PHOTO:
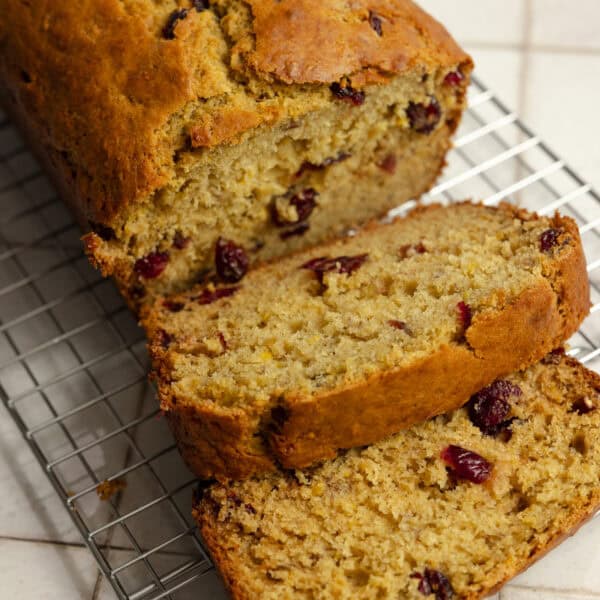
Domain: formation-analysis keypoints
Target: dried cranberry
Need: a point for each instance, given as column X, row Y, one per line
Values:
column 174, row 18
column 464, row 314
column 173, row 305
column 304, row 202
column 104, row 231
column 209, row 296
column 453, row 78
column 549, row 239
column 340, row 264
column 375, row 23
column 423, row 118
column 180, row 241
column 408, row 250
column 330, row 160
column 299, row 230
column 489, row 408
column 231, row 260
column 583, row 405
column 466, row 464
column 151, row 265
column 389, row 164
column 200, row 5
column 434, row 582
column 397, row 324
column 348, row 94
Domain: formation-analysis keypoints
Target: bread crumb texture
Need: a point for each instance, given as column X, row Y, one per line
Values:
column 369, row 523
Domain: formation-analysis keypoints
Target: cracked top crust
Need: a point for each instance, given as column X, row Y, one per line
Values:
column 111, row 101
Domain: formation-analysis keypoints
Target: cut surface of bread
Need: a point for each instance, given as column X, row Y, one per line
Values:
column 348, row 342
column 405, row 518
column 222, row 116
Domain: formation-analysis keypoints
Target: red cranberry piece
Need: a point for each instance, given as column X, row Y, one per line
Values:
column 173, row 305
column 434, row 582
column 304, row 203
column 375, row 23
column 423, row 118
column 200, row 5
column 466, row 464
column 489, row 408
column 174, row 18
column 180, row 241
column 453, row 78
column 209, row 296
column 348, row 94
column 340, row 264
column 231, row 260
column 104, row 231
column 151, row 265
column 583, row 405
column 299, row 230
column 464, row 314
column 549, row 239
column 389, row 164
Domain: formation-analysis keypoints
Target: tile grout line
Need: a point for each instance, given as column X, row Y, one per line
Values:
column 11, row 538
column 109, row 547
column 97, row 586
column 520, row 46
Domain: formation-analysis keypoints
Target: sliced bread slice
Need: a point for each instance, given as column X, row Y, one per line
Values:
column 451, row 508
column 349, row 342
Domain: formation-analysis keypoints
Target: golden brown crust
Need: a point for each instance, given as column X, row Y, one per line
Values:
column 498, row 342
column 341, row 42
column 113, row 126
column 223, row 558
column 213, row 441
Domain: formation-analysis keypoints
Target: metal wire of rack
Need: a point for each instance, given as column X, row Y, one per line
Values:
column 73, row 361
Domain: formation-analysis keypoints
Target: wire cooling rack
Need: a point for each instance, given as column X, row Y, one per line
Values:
column 73, row 363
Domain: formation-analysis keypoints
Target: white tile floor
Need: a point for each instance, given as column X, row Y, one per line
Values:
column 543, row 58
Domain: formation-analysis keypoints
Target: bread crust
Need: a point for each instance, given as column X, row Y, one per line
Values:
column 231, row 444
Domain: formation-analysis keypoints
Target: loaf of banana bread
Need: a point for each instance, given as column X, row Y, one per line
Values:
column 451, row 508
column 348, row 342
column 270, row 124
